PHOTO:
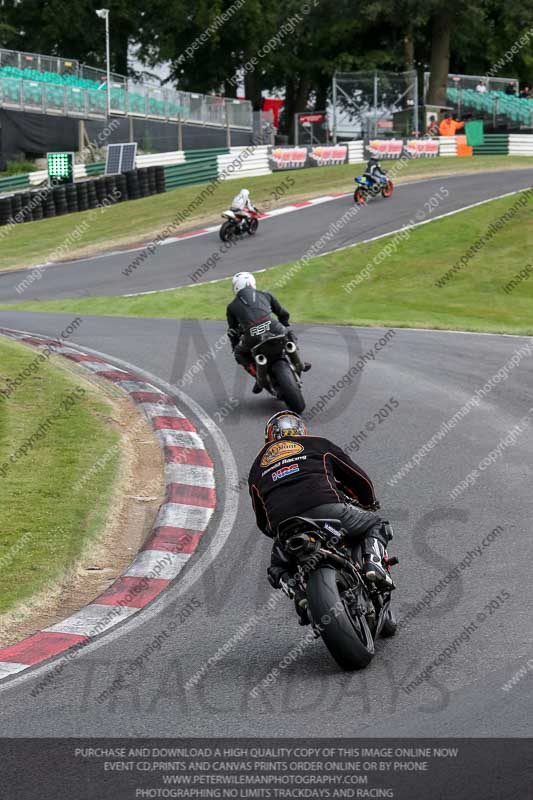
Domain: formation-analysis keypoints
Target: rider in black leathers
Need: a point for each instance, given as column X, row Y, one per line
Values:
column 249, row 316
column 374, row 171
column 295, row 474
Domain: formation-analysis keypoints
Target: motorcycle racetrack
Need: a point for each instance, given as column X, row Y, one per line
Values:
column 452, row 473
column 281, row 238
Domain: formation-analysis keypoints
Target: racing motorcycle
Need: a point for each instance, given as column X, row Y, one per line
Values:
column 237, row 224
column 278, row 367
column 366, row 187
column 345, row 609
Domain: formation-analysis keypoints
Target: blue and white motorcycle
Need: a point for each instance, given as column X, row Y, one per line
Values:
column 370, row 187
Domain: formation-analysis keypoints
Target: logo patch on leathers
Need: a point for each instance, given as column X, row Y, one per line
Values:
column 279, row 450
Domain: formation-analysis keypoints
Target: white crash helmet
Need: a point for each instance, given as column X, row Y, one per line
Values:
column 242, row 280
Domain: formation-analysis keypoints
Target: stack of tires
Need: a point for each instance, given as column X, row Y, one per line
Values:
column 144, row 183
column 36, row 203
column 49, row 208
column 66, row 199
column 27, row 208
column 6, row 210
column 71, row 196
column 59, row 194
column 160, row 179
column 122, row 188
column 132, row 181
column 82, row 192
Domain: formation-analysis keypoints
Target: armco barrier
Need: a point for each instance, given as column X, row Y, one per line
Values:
column 356, row 152
column 163, row 159
column 495, row 144
column 520, row 144
column 13, row 183
column 235, row 165
column 447, row 146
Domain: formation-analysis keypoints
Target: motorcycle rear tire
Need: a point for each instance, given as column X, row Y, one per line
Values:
column 288, row 388
column 226, row 231
column 339, row 631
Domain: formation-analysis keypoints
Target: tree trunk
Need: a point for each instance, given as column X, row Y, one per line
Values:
column 296, row 101
column 321, row 102
column 440, row 55
column 252, row 90
column 409, row 48
column 119, row 52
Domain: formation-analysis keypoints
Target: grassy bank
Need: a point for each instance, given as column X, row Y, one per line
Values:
column 138, row 220
column 51, row 434
column 399, row 289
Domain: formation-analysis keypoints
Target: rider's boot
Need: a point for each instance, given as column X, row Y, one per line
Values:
column 299, row 365
column 374, row 552
column 256, row 389
column 300, row 603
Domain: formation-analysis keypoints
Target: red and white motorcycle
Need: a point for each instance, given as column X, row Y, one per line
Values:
column 238, row 223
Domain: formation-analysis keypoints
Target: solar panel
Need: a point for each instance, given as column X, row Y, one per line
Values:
column 129, row 153
column 120, row 157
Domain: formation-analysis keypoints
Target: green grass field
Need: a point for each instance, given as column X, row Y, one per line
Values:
column 400, row 290
column 45, row 523
column 138, row 220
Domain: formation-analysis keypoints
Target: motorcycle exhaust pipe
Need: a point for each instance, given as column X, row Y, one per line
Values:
column 261, row 370
column 292, row 352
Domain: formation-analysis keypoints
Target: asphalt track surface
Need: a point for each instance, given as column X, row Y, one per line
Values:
column 280, row 239
column 431, row 375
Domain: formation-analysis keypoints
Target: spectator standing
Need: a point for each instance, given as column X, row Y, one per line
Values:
column 432, row 126
column 510, row 88
column 481, row 87
column 449, row 126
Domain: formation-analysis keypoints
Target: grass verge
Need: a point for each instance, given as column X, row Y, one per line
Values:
column 51, row 433
column 88, row 232
column 398, row 289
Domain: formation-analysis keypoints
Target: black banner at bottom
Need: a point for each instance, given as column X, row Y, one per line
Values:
column 148, row 769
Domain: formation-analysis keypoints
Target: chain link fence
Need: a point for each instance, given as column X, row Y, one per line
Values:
column 376, row 103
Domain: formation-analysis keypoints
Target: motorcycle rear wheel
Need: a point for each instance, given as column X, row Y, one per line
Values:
column 226, row 231
column 348, row 639
column 288, row 388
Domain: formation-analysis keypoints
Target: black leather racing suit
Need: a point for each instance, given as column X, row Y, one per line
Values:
column 296, row 476
column 374, row 171
column 249, row 316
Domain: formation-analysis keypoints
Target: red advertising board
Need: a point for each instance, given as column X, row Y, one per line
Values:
column 288, row 157
column 385, row 148
column 306, row 118
column 319, row 156
column 335, row 154
column 422, row 148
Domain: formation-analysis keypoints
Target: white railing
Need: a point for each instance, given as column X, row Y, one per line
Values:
column 127, row 98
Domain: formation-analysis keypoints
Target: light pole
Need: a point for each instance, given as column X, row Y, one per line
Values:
column 103, row 13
